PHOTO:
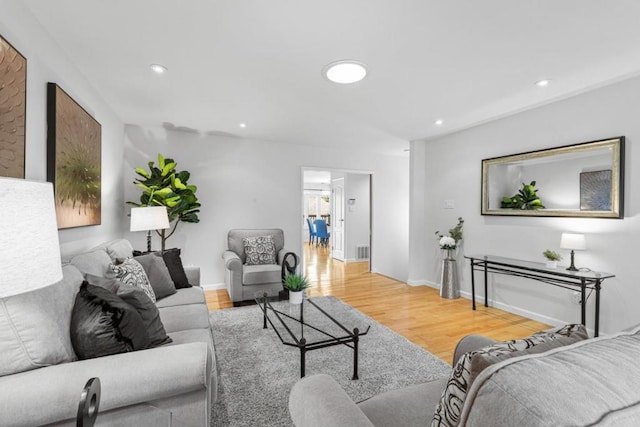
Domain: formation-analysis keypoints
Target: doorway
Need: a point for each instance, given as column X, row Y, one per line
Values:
column 343, row 200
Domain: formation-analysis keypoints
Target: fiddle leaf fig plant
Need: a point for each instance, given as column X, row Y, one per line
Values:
column 526, row 198
column 162, row 185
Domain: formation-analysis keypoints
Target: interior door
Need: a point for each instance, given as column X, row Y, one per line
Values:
column 337, row 219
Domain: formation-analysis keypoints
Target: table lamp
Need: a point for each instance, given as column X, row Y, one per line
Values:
column 575, row 242
column 149, row 218
column 29, row 232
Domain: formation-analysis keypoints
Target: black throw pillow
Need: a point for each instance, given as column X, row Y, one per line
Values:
column 176, row 270
column 149, row 313
column 103, row 324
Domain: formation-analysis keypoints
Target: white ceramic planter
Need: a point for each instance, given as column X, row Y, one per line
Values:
column 552, row 264
column 296, row 297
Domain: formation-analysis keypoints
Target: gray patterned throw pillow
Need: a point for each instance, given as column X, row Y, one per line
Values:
column 469, row 365
column 131, row 272
column 259, row 250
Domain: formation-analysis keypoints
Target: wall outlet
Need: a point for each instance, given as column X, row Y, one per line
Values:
column 449, row 204
column 575, row 297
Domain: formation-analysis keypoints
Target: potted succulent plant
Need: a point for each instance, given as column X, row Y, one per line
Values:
column 552, row 258
column 296, row 284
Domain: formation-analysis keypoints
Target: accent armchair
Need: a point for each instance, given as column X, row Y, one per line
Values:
column 244, row 281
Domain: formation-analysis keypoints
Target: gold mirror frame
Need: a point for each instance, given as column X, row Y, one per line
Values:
column 579, row 166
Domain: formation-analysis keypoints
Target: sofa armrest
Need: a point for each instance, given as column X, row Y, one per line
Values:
column 193, row 274
column 232, row 261
column 51, row 394
column 319, row 401
column 470, row 343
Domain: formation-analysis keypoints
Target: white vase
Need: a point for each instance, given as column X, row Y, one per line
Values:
column 295, row 297
column 552, row 264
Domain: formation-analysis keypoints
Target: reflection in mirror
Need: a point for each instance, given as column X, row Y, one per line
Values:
column 582, row 180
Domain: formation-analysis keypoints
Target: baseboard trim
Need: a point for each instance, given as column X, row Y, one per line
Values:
column 213, row 286
column 502, row 306
column 520, row 311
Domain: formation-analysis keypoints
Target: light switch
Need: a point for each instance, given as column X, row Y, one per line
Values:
column 449, row 204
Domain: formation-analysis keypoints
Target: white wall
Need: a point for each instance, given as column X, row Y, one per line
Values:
column 252, row 184
column 47, row 62
column 357, row 215
column 450, row 168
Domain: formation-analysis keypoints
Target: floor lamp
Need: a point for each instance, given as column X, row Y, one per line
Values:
column 149, row 218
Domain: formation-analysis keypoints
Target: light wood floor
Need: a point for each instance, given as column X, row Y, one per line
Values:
column 416, row 312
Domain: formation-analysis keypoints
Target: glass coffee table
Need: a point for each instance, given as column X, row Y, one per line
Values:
column 308, row 326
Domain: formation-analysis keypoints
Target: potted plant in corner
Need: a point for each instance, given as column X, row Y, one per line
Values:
column 296, row 284
column 164, row 186
column 552, row 258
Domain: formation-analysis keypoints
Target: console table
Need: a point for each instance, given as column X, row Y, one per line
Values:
column 574, row 280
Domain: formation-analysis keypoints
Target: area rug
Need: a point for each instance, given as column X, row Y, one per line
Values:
column 257, row 371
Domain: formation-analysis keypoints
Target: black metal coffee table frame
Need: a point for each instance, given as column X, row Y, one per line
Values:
column 350, row 339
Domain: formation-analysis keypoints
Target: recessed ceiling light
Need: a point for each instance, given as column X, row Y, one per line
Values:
column 243, row 125
column 438, row 122
column 345, row 72
column 160, row 69
column 543, row 82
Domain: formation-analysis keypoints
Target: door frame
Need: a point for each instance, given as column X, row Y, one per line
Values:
column 371, row 202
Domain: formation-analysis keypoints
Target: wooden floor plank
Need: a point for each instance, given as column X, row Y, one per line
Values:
column 416, row 312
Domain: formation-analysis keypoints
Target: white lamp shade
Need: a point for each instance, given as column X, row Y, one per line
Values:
column 29, row 246
column 149, row 218
column 573, row 241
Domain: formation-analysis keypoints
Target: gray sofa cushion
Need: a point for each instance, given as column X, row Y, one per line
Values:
column 407, row 407
column 158, row 275
column 34, row 327
column 194, row 295
column 118, row 249
column 259, row 274
column 581, row 384
column 95, row 262
column 183, row 317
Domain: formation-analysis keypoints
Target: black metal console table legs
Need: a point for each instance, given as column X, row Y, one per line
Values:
column 573, row 280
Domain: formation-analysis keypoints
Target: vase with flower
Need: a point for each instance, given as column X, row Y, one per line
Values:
column 449, row 286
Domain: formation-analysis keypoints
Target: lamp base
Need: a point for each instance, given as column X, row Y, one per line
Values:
column 149, row 242
column 572, row 267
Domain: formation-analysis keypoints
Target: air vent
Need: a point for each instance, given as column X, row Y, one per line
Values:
column 362, row 252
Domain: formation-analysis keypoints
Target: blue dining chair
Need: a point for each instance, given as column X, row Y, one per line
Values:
column 312, row 230
column 322, row 235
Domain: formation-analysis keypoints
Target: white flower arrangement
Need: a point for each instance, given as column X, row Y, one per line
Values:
column 447, row 242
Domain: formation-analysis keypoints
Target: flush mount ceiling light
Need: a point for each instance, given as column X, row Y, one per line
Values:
column 157, row 68
column 345, row 71
column 543, row 82
column 438, row 122
column 243, row 125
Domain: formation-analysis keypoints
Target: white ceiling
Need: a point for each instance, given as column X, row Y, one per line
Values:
column 259, row 62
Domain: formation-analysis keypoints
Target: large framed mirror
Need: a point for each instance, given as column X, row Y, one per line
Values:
column 580, row 180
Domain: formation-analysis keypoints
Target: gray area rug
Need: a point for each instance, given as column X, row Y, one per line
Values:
column 257, row 371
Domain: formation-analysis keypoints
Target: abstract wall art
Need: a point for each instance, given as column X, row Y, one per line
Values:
column 74, row 156
column 13, row 104
column 595, row 190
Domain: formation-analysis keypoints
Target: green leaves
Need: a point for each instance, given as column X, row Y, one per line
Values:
column 163, row 186
column 526, row 199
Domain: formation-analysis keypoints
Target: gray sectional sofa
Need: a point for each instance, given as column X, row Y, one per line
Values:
column 41, row 379
column 590, row 382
